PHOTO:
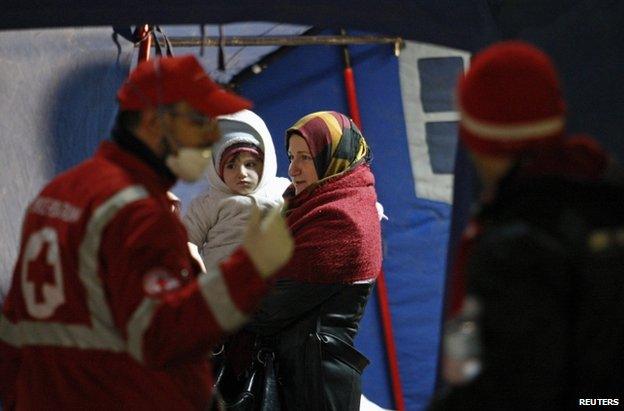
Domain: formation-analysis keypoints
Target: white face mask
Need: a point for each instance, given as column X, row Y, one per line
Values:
column 190, row 163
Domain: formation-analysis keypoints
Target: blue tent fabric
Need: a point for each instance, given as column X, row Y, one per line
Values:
column 58, row 89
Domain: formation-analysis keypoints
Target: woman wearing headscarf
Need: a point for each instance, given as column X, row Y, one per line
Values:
column 310, row 319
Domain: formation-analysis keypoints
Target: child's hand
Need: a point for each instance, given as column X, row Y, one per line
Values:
column 268, row 241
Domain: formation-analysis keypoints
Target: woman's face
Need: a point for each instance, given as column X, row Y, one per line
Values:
column 301, row 169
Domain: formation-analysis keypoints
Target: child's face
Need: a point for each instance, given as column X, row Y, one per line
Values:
column 242, row 172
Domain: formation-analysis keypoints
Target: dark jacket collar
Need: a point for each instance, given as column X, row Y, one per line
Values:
column 132, row 155
column 129, row 143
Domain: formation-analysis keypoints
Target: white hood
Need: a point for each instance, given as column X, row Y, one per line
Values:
column 243, row 126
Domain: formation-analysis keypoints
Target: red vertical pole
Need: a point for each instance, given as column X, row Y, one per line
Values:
column 354, row 110
column 146, row 43
column 382, row 289
column 391, row 351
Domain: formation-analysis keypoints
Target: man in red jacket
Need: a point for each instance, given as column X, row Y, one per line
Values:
column 107, row 308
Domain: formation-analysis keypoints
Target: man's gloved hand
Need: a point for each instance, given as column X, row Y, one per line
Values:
column 268, row 241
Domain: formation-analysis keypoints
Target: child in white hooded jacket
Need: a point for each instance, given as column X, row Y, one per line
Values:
column 242, row 173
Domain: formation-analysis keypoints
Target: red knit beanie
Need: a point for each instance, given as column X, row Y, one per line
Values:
column 510, row 101
column 235, row 149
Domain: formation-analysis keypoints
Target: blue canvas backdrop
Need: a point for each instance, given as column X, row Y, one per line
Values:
column 58, row 102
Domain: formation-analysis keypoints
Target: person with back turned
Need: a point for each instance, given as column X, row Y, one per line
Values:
column 534, row 314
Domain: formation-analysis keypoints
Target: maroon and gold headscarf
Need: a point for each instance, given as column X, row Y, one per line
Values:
column 335, row 142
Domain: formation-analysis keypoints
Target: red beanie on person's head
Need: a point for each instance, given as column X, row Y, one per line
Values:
column 510, row 101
